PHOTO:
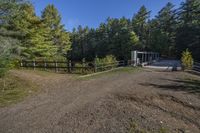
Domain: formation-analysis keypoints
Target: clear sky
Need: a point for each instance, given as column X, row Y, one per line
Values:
column 92, row 12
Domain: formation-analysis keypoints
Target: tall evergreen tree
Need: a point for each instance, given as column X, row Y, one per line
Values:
column 188, row 33
column 9, row 37
column 58, row 35
column 163, row 30
column 102, row 38
column 34, row 42
column 120, row 38
column 140, row 26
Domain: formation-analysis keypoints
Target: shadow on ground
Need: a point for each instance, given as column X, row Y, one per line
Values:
column 187, row 85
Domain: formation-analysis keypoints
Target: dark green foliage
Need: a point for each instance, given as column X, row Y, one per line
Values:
column 169, row 33
column 163, row 30
column 3, row 67
column 8, row 51
column 188, row 32
column 25, row 35
column 140, row 26
column 9, row 42
column 38, row 38
column 113, row 37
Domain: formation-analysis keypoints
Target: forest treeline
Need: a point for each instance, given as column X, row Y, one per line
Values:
column 170, row 32
column 24, row 35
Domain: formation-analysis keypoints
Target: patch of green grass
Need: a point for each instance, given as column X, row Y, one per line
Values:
column 40, row 72
column 14, row 89
column 127, row 70
column 134, row 128
column 163, row 130
column 48, row 73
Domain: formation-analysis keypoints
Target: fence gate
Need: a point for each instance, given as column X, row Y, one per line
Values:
column 144, row 58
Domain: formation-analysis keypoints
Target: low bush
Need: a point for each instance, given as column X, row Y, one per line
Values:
column 4, row 67
column 107, row 60
column 106, row 63
column 187, row 59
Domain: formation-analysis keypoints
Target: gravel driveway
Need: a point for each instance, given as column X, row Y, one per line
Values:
column 123, row 102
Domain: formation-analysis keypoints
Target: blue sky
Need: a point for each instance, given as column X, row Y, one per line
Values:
column 92, row 12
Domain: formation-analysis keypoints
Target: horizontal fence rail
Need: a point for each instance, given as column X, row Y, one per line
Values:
column 107, row 66
column 72, row 67
column 60, row 66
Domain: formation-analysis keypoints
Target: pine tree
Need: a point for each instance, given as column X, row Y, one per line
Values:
column 158, row 39
column 102, row 38
column 35, row 41
column 58, row 35
column 140, row 26
column 9, row 37
column 9, row 42
column 188, row 32
column 163, row 30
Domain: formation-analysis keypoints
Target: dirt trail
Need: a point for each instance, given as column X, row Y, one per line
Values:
column 117, row 103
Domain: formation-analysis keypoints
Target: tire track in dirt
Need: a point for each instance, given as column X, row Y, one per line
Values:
column 174, row 99
column 148, row 101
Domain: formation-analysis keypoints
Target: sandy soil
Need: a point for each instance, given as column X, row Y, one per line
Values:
column 125, row 102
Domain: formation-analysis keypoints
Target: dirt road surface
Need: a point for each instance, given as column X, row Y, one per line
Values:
column 124, row 102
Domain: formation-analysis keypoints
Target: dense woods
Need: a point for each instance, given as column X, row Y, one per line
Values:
column 170, row 32
column 25, row 35
column 28, row 36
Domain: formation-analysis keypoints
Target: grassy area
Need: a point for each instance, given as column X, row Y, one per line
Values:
column 113, row 72
column 40, row 72
column 14, row 89
column 134, row 128
column 47, row 73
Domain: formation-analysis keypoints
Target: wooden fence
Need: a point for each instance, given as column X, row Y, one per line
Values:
column 70, row 66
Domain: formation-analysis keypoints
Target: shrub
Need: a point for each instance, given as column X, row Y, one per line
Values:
column 4, row 65
column 187, row 60
column 9, row 49
column 106, row 63
column 2, row 72
column 107, row 60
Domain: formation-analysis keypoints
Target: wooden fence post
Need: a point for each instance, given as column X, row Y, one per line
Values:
column 56, row 66
column 45, row 65
column 142, row 57
column 83, row 65
column 69, row 66
column 34, row 65
column 95, row 66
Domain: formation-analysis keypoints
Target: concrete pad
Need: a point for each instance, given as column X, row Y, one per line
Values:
column 166, row 65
